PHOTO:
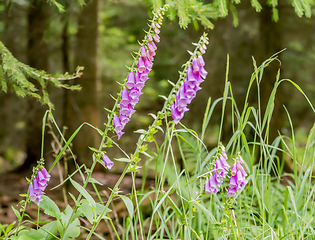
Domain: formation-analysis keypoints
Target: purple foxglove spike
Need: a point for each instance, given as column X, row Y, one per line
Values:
column 130, row 80
column 207, row 186
column 213, row 185
column 46, row 174
column 231, row 192
column 177, row 116
column 156, row 30
column 141, row 65
column 203, row 73
column 191, row 78
column 150, row 38
column 220, row 166
column 195, row 65
column 156, row 38
column 143, row 52
column 134, row 93
column 123, row 119
column 119, row 134
column 201, row 62
column 124, row 97
column 157, row 25
column 108, row 163
column 233, row 170
column 117, row 124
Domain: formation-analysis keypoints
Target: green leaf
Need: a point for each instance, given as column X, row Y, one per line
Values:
column 30, row 234
column 81, row 190
column 73, row 229
column 16, row 212
column 50, row 230
column 128, row 204
column 93, row 180
column 123, row 159
column 50, row 207
column 87, row 212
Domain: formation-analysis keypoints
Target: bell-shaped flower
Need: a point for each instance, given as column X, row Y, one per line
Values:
column 143, row 52
column 123, row 119
column 130, row 80
column 150, row 55
column 201, row 62
column 156, row 38
column 148, row 63
column 237, row 180
column 203, row 73
column 117, row 124
column 45, row 174
column 108, row 163
column 128, row 111
column 152, row 47
column 195, row 65
column 156, row 30
column 141, row 65
column 139, row 84
column 181, row 99
column 150, row 38
column 211, row 185
column 134, row 93
column 124, row 97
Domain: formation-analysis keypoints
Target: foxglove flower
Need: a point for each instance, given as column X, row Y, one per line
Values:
column 37, row 187
column 211, row 185
column 108, row 163
column 221, row 166
column 237, row 180
column 187, row 91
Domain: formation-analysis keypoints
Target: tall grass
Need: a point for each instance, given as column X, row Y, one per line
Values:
column 273, row 205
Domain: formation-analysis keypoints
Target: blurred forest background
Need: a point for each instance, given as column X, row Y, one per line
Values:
column 101, row 37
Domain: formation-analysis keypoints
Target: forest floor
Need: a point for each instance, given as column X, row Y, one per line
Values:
column 13, row 184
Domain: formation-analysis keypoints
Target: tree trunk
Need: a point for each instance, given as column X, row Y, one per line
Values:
column 37, row 55
column 83, row 106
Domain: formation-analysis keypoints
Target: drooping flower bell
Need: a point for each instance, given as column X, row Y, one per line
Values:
column 108, row 163
column 37, row 187
column 237, row 180
column 211, row 185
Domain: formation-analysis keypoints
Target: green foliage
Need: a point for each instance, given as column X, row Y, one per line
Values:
column 15, row 76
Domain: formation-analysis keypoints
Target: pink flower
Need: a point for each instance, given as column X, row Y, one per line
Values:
column 108, row 163
column 237, row 180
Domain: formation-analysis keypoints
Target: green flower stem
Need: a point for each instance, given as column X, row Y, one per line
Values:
column 112, row 195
